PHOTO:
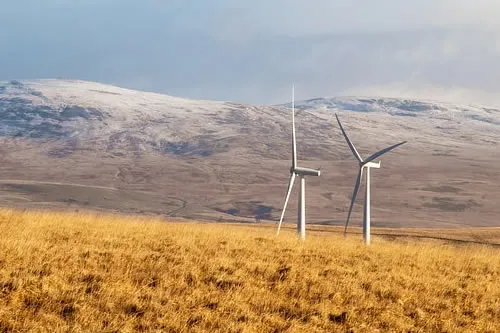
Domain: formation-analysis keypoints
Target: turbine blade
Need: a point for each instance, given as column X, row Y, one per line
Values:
column 290, row 185
column 294, row 141
column 353, row 199
column 383, row 151
column 349, row 142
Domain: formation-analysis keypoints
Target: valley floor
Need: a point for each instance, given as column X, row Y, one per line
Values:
column 107, row 273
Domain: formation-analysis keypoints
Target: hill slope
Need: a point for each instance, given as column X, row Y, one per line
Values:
column 80, row 144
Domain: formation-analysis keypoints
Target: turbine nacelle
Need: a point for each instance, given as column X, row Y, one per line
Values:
column 375, row 165
column 305, row 171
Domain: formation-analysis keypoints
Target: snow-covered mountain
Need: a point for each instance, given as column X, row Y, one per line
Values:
column 79, row 110
column 223, row 159
column 63, row 109
column 404, row 107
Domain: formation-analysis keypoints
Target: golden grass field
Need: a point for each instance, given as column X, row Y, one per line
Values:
column 76, row 272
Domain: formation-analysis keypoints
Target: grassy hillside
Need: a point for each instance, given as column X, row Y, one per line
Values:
column 102, row 273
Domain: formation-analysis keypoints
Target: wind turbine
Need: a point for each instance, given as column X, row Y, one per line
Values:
column 364, row 165
column 301, row 172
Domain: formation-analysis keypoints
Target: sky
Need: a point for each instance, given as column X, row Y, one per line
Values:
column 252, row 51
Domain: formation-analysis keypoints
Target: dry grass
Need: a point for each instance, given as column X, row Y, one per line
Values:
column 85, row 272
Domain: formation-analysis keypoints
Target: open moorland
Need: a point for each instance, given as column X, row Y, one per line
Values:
column 75, row 272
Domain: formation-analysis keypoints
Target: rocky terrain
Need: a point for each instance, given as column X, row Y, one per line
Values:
column 78, row 145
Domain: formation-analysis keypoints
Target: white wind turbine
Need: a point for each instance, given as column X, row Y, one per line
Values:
column 364, row 164
column 301, row 172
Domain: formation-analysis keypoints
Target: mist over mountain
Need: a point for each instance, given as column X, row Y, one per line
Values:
column 455, row 66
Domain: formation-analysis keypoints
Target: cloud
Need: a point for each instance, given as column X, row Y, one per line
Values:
column 305, row 17
column 282, row 17
column 253, row 50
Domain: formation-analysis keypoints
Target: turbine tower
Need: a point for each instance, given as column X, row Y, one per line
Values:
column 301, row 172
column 364, row 165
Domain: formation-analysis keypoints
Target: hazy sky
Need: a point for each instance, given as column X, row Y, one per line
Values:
column 253, row 50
